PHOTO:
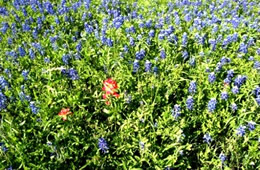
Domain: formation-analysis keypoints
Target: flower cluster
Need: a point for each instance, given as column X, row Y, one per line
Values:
column 64, row 113
column 110, row 87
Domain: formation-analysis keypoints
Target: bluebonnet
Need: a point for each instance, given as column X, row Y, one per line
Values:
column 213, row 44
column 26, row 27
column 3, row 83
column 176, row 111
column 9, row 41
column 163, row 54
column 185, row 54
column 132, row 29
column 257, row 65
column 139, row 55
column 193, row 87
column 71, row 73
column 142, row 145
column 212, row 77
column 192, row 61
column 25, row 74
column 207, row 138
column 258, row 100
column 222, row 157
column 3, row 11
column 136, row 66
column 8, row 73
column 47, row 60
column 102, row 144
column 251, row 125
column 4, row 27
column 49, row 8
column 3, row 101
column 155, row 70
column 190, row 103
column 151, row 33
column 132, row 41
column 79, row 46
column 257, row 91
column 235, row 90
column 126, row 48
column 66, row 58
column 227, row 81
column 23, row 96
column 33, row 107
column 3, row 147
column 243, row 48
column 230, row 74
column 240, row 80
column 241, row 130
column 251, row 58
column 139, row 37
column 148, row 66
column 184, row 39
column 212, row 105
column 224, row 95
column 31, row 53
column 233, row 106
column 109, row 42
column 21, row 51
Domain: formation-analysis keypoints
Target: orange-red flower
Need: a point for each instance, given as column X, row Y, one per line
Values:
column 110, row 87
column 64, row 113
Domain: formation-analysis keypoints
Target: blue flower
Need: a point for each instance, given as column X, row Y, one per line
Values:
column 66, row 58
column 47, row 60
column 185, row 54
column 241, row 130
column 176, row 111
column 3, row 11
column 142, row 145
column 257, row 91
column 136, row 66
column 3, row 101
column 31, row 53
column 155, row 70
column 132, row 41
column 251, row 125
column 257, row 65
column 33, row 107
column 140, row 54
column 72, row 74
column 148, row 66
column 212, row 77
column 258, row 100
column 235, row 90
column 25, row 74
column 163, row 54
column 190, row 102
column 233, row 107
column 3, row 83
column 21, row 51
column 193, row 87
column 222, row 157
column 230, row 74
column 224, row 95
column 239, row 80
column 102, row 144
column 207, row 138
column 212, row 104
column 151, row 33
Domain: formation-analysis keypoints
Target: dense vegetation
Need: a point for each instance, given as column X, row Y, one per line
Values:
column 115, row 84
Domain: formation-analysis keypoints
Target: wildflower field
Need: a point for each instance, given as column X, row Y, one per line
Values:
column 130, row 84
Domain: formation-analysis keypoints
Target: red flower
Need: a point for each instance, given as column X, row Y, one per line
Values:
column 64, row 113
column 110, row 87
